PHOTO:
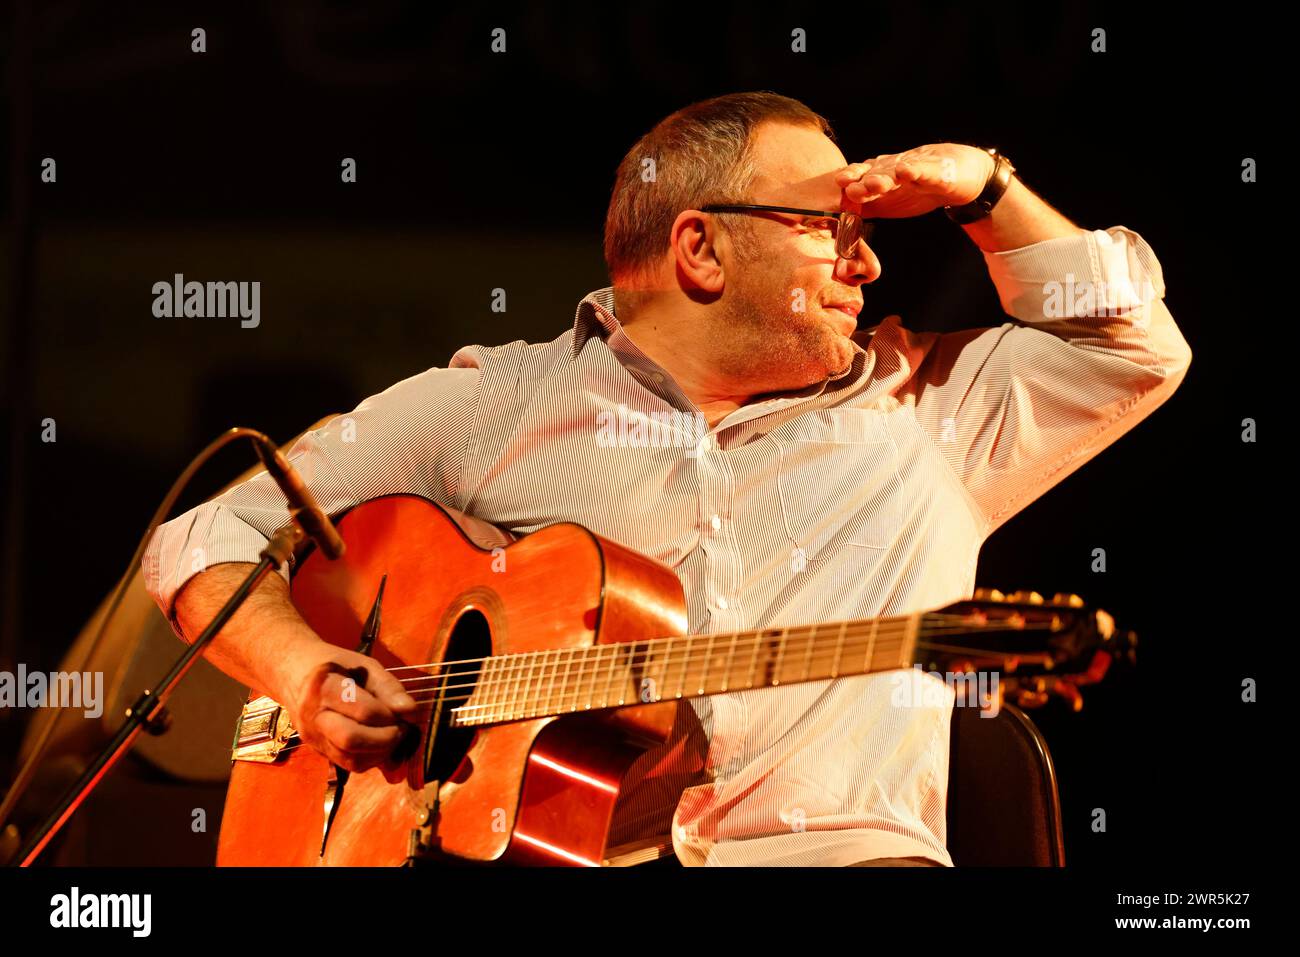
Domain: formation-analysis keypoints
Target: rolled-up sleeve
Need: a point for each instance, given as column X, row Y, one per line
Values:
column 410, row 438
column 1093, row 350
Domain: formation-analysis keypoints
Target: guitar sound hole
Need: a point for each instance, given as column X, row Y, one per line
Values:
column 446, row 746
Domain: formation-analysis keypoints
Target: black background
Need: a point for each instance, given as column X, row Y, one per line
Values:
column 478, row 171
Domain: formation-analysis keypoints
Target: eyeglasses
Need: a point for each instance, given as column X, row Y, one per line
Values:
column 848, row 227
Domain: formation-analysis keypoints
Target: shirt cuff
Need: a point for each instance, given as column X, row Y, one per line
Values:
column 1103, row 272
column 208, row 535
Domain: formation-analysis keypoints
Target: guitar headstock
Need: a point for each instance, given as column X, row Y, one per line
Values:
column 1038, row 646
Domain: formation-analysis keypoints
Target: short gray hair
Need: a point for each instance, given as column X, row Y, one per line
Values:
column 701, row 154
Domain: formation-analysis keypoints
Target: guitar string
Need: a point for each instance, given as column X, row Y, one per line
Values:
column 514, row 665
column 960, row 622
column 768, row 634
column 472, row 723
column 442, row 699
column 513, row 686
column 518, row 682
column 513, row 683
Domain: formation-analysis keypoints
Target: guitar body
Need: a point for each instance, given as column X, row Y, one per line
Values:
column 533, row 791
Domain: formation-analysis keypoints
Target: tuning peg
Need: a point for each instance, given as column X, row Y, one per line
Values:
column 1026, row 597
column 1070, row 693
column 1105, row 624
column 989, row 594
column 1027, row 698
column 1071, row 600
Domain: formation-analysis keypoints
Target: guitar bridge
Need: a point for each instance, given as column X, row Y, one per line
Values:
column 264, row 730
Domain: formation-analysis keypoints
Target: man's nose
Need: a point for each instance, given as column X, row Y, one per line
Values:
column 862, row 267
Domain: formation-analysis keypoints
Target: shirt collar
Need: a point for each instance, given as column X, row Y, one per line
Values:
column 595, row 316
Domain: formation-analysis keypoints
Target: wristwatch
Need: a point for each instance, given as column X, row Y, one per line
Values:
column 983, row 204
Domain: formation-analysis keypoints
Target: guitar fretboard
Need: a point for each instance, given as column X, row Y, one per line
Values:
column 569, row 680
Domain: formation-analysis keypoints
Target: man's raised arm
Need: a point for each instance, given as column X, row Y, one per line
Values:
column 1093, row 351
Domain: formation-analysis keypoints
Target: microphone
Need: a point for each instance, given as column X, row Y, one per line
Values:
column 302, row 504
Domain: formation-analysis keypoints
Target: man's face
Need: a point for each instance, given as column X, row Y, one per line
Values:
column 791, row 306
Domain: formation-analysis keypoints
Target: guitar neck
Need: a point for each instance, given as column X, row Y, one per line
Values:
column 627, row 674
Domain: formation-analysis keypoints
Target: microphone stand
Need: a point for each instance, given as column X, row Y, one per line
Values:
column 148, row 713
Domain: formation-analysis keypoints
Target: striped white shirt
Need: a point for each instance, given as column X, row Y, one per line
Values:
column 867, row 495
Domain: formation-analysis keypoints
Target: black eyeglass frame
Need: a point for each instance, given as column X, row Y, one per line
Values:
column 850, row 224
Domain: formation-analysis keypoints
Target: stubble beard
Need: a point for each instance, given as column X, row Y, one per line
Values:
column 775, row 347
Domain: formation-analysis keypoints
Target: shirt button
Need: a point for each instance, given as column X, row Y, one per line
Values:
column 722, row 603
column 715, row 522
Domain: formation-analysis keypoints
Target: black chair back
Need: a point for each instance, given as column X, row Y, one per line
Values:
column 1003, row 806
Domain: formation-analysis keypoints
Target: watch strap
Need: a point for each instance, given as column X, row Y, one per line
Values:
column 993, row 191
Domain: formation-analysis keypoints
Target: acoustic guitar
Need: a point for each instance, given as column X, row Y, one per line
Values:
column 545, row 666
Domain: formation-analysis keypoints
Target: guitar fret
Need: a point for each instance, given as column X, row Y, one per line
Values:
column 661, row 654
column 517, row 691
column 499, row 689
column 524, row 708
column 537, row 670
column 807, row 660
column 606, row 651
column 510, row 663
column 609, row 678
column 528, row 708
column 526, row 704
column 686, row 659
column 643, row 661
column 780, row 654
column 516, row 673
column 704, row 674
column 550, row 660
column 580, row 661
column 564, row 682
column 753, row 658
column 541, row 700
column 492, row 691
column 578, row 657
column 590, row 667
column 484, row 692
column 663, row 659
column 521, row 678
column 582, row 656
column 593, row 659
column 839, row 650
column 503, row 697
column 633, row 667
column 731, row 662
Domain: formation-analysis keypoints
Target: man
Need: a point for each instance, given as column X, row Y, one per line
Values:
column 834, row 474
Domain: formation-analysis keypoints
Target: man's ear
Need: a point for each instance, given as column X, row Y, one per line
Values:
column 695, row 237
